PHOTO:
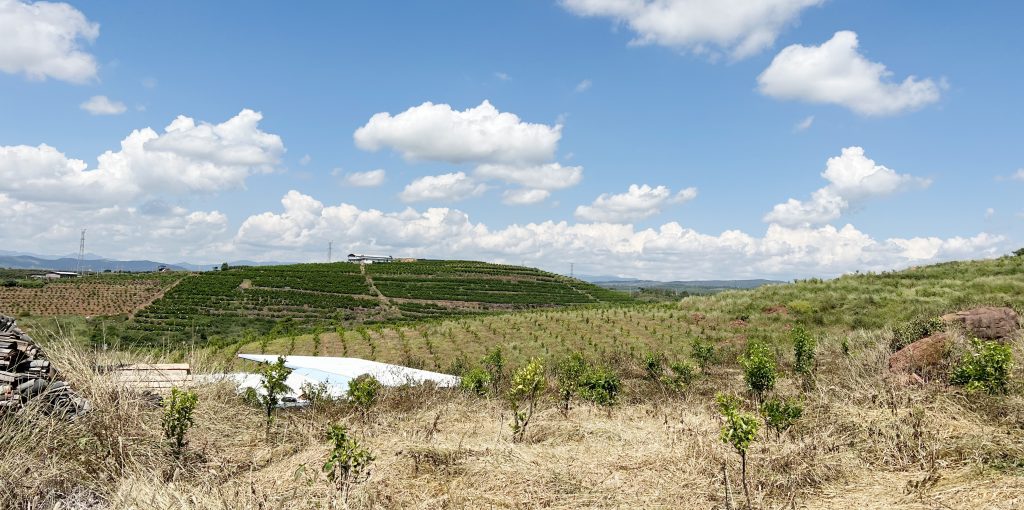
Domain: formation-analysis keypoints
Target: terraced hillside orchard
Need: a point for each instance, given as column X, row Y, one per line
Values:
column 90, row 295
column 252, row 301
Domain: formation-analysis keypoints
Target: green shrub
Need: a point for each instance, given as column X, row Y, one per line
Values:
column 526, row 385
column 654, row 365
column 803, row 350
column 273, row 385
column 739, row 431
column 986, row 367
column 348, row 463
column 475, row 381
column 703, row 353
column 601, row 386
column 780, row 414
column 177, row 418
column 569, row 373
column 682, row 374
column 910, row 332
column 318, row 394
column 759, row 369
column 494, row 363
column 363, row 391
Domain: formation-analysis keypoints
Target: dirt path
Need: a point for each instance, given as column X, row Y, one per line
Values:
column 156, row 296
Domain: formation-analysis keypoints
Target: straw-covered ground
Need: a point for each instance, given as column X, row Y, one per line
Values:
column 865, row 440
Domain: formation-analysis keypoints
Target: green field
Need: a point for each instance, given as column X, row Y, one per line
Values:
column 244, row 302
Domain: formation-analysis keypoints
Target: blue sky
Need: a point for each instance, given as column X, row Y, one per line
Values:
column 620, row 91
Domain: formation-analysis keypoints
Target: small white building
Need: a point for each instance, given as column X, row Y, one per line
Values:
column 369, row 259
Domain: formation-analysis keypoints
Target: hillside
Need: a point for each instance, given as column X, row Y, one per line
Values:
column 254, row 300
column 866, row 437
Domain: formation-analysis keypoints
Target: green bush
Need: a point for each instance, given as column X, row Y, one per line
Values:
column 363, row 392
column 759, row 369
column 177, row 418
column 780, row 414
column 494, row 363
column 739, row 431
column 476, row 381
column 273, row 385
column 348, row 462
column 910, row 332
column 703, row 353
column 569, row 373
column 986, row 367
column 803, row 350
column 526, row 385
column 601, row 386
column 682, row 374
column 654, row 365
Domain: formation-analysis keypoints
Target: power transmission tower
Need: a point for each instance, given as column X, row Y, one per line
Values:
column 572, row 270
column 330, row 246
column 81, row 252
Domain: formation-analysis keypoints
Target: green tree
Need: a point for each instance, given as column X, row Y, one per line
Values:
column 348, row 463
column 654, row 365
column 363, row 392
column 475, row 381
column 601, row 386
column 526, row 385
column 494, row 363
column 703, row 353
column 739, row 431
column 1019, row 253
column 224, row 266
column 780, row 414
column 803, row 351
column 177, row 418
column 570, row 371
column 759, row 370
column 273, row 386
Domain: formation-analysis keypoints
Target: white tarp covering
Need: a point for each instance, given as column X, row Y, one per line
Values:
column 337, row 372
column 295, row 382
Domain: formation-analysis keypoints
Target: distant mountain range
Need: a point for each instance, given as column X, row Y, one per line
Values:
column 693, row 286
column 98, row 264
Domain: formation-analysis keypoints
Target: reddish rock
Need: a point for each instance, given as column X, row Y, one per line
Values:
column 697, row 317
column 738, row 323
column 989, row 323
column 925, row 356
column 776, row 310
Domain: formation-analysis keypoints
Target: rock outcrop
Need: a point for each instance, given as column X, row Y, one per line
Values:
column 924, row 357
column 988, row 323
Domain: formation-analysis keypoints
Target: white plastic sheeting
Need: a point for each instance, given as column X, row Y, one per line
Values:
column 337, row 372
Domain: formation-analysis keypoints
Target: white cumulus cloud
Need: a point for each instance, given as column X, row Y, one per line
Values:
column 103, row 105
column 739, row 28
column 836, row 73
column 188, row 157
column 602, row 248
column 366, row 179
column 525, row 196
column 636, row 203
column 549, row 176
column 482, row 134
column 43, row 40
column 852, row 177
column 449, row 187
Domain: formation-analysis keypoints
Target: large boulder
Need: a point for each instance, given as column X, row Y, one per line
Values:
column 989, row 323
column 925, row 357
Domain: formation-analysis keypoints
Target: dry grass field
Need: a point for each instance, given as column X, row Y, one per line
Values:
column 867, row 438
